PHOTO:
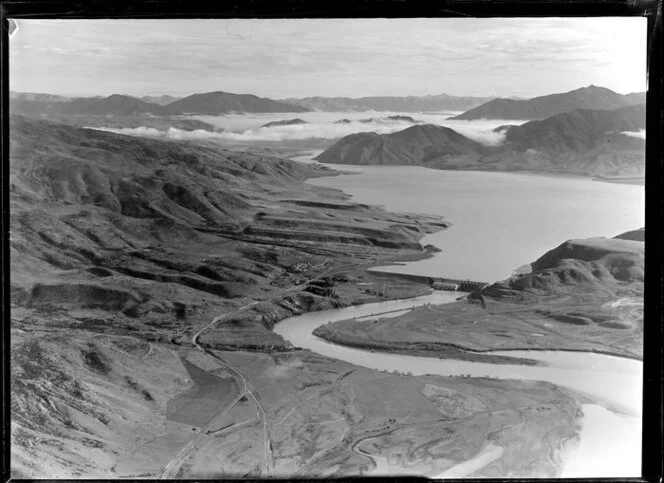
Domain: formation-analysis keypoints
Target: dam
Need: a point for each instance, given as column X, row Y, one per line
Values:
column 438, row 283
column 456, row 284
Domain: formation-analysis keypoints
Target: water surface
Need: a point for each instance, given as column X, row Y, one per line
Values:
column 500, row 221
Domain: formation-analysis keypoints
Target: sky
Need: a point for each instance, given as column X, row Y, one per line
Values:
column 282, row 58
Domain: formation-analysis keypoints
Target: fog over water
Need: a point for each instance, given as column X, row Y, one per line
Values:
column 240, row 128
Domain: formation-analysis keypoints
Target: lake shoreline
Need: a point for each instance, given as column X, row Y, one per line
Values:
column 628, row 180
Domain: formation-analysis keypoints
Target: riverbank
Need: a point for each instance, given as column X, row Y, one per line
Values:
column 637, row 180
column 439, row 350
column 465, row 330
column 588, row 378
column 584, row 296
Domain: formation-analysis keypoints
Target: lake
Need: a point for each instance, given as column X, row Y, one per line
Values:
column 500, row 221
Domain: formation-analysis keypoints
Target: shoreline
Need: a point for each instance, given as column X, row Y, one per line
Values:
column 440, row 352
column 631, row 180
column 591, row 351
column 438, row 349
column 628, row 180
column 388, row 348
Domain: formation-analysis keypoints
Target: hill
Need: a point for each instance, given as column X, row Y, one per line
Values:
column 587, row 142
column 442, row 102
column 591, row 97
column 216, row 103
column 577, row 129
column 123, row 248
column 115, row 105
column 584, row 142
column 416, row 145
column 124, row 210
column 40, row 97
column 638, row 235
column 584, row 295
column 287, row 122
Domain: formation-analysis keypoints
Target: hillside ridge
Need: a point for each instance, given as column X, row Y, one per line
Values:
column 590, row 97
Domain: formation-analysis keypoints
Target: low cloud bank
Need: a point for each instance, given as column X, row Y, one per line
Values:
column 488, row 137
column 150, row 132
column 275, row 133
column 480, row 131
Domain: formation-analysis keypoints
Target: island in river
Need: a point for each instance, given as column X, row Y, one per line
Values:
column 129, row 256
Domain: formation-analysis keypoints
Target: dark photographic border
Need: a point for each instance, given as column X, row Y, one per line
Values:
column 156, row 9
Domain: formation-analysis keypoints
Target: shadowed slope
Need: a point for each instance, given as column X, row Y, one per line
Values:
column 415, row 145
column 148, row 227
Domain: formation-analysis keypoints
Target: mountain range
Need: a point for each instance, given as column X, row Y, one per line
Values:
column 116, row 105
column 35, row 96
column 441, row 102
column 214, row 103
column 210, row 103
column 591, row 97
column 588, row 142
column 219, row 103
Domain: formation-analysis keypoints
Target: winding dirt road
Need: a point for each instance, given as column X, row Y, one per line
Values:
column 246, row 388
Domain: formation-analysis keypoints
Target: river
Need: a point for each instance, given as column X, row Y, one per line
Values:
column 509, row 221
column 612, row 422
